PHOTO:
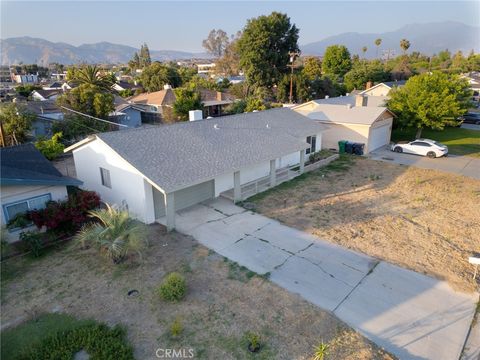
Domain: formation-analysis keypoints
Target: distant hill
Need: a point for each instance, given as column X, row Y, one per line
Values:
column 40, row 51
column 426, row 38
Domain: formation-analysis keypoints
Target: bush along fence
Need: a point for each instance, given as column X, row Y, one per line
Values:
column 56, row 223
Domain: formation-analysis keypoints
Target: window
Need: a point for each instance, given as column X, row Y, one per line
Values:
column 312, row 140
column 19, row 207
column 421, row 143
column 105, row 176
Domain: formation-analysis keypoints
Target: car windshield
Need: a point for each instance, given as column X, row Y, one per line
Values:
column 438, row 144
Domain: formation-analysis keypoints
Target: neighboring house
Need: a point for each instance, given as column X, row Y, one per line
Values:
column 382, row 89
column 126, row 113
column 157, row 171
column 214, row 102
column 206, row 69
column 25, row 79
column 473, row 79
column 47, row 113
column 56, row 85
column 44, row 95
column 28, row 181
column 369, row 125
column 354, row 100
column 124, row 85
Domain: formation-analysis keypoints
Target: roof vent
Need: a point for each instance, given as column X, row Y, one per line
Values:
column 216, row 127
column 268, row 126
column 326, row 96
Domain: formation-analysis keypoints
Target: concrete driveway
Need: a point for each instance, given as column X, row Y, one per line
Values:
column 461, row 165
column 411, row 315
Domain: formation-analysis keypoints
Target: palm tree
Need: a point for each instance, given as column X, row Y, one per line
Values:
column 364, row 50
column 114, row 233
column 404, row 45
column 378, row 42
column 91, row 75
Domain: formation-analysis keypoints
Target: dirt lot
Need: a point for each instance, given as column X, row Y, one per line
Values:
column 223, row 302
column 423, row 220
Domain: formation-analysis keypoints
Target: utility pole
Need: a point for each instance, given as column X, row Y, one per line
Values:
column 293, row 55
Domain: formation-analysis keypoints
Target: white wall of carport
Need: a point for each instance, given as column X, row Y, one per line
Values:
column 128, row 185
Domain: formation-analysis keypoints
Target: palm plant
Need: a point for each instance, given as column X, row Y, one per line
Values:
column 404, row 45
column 321, row 351
column 91, row 75
column 378, row 42
column 114, row 233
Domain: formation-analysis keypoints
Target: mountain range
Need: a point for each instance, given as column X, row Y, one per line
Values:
column 426, row 38
column 30, row 50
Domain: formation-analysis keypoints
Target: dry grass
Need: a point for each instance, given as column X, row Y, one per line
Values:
column 223, row 302
column 423, row 220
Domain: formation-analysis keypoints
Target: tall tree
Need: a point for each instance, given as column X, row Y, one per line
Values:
column 363, row 72
column 144, row 56
column 91, row 75
column 186, row 100
column 229, row 63
column 378, row 42
column 312, row 68
column 216, row 42
column 88, row 99
column 404, row 45
column 364, row 51
column 336, row 61
column 264, row 48
column 430, row 100
column 15, row 122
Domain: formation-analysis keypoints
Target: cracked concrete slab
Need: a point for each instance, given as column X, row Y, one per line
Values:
column 226, row 207
column 248, row 222
column 256, row 255
column 192, row 217
column 411, row 315
column 284, row 237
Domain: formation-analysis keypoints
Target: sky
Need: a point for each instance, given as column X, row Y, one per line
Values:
column 182, row 25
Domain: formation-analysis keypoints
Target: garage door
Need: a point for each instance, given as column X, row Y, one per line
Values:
column 194, row 194
column 379, row 137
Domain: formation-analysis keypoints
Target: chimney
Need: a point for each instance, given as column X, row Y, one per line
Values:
column 368, row 85
column 167, row 86
column 360, row 100
column 194, row 115
column 219, row 96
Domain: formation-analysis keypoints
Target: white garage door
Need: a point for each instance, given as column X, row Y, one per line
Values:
column 379, row 137
column 194, row 194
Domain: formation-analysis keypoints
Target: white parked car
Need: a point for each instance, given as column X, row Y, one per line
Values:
column 424, row 147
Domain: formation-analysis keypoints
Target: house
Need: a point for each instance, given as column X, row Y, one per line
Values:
column 161, row 101
column 157, row 171
column 207, row 69
column 56, row 85
column 125, row 85
column 126, row 113
column 28, row 181
column 25, row 79
column 383, row 88
column 47, row 112
column 44, row 95
column 369, row 125
column 352, row 100
column 473, row 79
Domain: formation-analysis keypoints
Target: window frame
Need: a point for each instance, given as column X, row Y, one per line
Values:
column 27, row 200
column 312, row 141
column 104, row 178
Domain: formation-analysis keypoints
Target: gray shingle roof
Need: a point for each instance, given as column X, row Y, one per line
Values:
column 25, row 165
column 350, row 99
column 183, row 154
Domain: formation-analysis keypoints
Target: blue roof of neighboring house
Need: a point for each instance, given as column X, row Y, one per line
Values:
column 25, row 165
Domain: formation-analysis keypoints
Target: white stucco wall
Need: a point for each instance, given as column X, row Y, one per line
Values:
column 17, row 193
column 128, row 185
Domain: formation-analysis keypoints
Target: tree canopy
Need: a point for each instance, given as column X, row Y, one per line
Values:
column 186, row 100
column 264, row 48
column 16, row 123
column 430, row 100
column 90, row 75
column 364, row 71
column 88, row 99
column 216, row 42
column 336, row 61
column 155, row 76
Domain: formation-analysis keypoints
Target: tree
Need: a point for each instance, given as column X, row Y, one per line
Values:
column 431, row 101
column 51, row 148
column 264, row 48
column 88, row 99
column 155, row 76
column 26, row 90
column 216, row 42
column 364, row 50
column 336, row 61
column 90, row 75
column 229, row 63
column 186, row 100
column 312, row 68
column 362, row 73
column 115, row 234
column 135, row 62
column 16, row 122
column 404, row 45
column 255, row 103
column 144, row 56
column 237, row 107
column 378, row 42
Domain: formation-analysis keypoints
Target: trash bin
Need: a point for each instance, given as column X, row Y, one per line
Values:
column 341, row 146
column 349, row 147
column 358, row 148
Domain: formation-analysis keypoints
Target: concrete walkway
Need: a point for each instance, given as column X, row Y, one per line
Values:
column 411, row 315
column 461, row 165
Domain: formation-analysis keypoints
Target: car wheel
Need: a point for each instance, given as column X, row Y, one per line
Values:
column 398, row 149
column 431, row 155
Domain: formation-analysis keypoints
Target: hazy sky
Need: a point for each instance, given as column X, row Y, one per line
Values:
column 181, row 25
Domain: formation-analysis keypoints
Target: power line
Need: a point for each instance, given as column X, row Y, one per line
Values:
column 93, row 117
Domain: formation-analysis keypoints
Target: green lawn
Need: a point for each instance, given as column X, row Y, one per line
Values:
column 15, row 340
column 459, row 141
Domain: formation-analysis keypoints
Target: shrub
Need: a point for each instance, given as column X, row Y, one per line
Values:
column 66, row 217
column 321, row 350
column 173, row 287
column 51, row 148
column 20, row 221
column 176, row 328
column 99, row 341
column 33, row 241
